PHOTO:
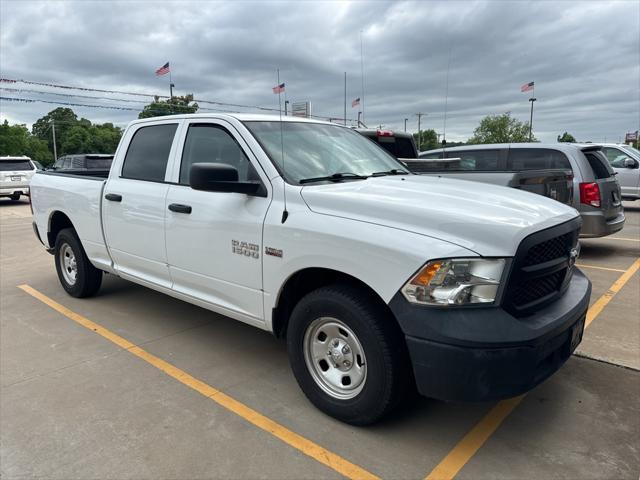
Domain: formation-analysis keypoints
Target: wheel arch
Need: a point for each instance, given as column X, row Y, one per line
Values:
column 306, row 280
column 57, row 221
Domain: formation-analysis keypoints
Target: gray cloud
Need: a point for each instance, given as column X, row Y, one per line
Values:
column 584, row 58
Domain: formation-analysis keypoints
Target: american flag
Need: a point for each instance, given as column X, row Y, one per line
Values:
column 526, row 87
column 355, row 102
column 278, row 88
column 163, row 70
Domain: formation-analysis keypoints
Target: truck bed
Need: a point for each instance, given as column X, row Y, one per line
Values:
column 77, row 193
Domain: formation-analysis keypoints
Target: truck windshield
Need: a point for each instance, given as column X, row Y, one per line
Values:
column 314, row 150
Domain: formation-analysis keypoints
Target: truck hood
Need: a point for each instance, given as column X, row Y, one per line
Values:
column 487, row 219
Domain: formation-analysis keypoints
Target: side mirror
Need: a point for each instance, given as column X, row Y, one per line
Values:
column 220, row 177
column 629, row 163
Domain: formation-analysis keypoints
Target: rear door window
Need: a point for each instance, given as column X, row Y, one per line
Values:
column 148, row 153
column 522, row 159
column 601, row 168
column 476, row 160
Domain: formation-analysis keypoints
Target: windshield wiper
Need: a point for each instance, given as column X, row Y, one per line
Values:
column 336, row 177
column 394, row 171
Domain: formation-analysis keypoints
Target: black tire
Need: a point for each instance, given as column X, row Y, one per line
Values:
column 15, row 197
column 388, row 370
column 87, row 277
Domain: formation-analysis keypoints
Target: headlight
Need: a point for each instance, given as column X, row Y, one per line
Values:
column 458, row 281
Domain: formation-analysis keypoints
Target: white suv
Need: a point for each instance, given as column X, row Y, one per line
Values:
column 15, row 175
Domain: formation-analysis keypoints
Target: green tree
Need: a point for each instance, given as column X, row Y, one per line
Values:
column 172, row 106
column 75, row 135
column 63, row 118
column 501, row 129
column 16, row 140
column 566, row 137
column 428, row 140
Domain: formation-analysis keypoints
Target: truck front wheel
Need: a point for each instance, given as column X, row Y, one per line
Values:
column 347, row 354
column 77, row 275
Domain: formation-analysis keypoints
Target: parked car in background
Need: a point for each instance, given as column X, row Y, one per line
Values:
column 37, row 164
column 398, row 144
column 596, row 190
column 89, row 161
column 625, row 161
column 15, row 175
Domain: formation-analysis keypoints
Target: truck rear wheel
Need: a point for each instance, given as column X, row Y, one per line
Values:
column 77, row 275
column 15, row 197
column 347, row 355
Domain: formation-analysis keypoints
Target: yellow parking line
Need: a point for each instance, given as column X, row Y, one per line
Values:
column 309, row 448
column 602, row 302
column 582, row 265
column 457, row 458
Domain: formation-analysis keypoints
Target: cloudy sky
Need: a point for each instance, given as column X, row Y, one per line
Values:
column 583, row 57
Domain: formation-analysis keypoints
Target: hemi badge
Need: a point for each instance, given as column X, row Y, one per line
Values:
column 274, row 252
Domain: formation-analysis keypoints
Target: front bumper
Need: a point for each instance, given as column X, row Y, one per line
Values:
column 479, row 354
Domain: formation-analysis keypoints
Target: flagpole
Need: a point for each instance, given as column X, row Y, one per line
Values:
column 170, row 84
column 345, row 98
column 532, row 99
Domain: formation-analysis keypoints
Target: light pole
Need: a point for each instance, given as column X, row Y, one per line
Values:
column 532, row 99
column 359, row 122
column 405, row 124
column 286, row 102
column 419, row 115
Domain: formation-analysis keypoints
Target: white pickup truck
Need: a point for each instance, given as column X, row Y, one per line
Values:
column 381, row 281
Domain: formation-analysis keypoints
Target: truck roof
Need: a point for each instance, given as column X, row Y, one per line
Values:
column 243, row 117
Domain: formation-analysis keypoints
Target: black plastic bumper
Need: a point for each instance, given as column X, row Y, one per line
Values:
column 478, row 354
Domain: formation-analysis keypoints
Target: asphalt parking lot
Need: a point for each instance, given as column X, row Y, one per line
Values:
column 135, row 384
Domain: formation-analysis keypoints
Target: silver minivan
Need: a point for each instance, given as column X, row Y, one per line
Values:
column 625, row 161
column 596, row 190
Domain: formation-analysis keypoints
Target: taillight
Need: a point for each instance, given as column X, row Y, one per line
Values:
column 590, row 194
column 385, row 133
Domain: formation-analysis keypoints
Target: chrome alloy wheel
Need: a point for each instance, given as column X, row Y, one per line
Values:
column 335, row 358
column 68, row 263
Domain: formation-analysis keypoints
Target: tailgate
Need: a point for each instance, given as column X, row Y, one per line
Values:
column 605, row 177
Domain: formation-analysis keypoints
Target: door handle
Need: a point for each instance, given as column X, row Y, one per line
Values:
column 113, row 197
column 179, row 208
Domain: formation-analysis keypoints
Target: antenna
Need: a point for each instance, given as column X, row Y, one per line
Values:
column 285, row 213
column 446, row 102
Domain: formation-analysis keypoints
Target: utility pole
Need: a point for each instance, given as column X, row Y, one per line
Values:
column 53, row 131
column 532, row 99
column 405, row 124
column 420, row 115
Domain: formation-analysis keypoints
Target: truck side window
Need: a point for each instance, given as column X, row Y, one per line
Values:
column 476, row 160
column 148, row 153
column 207, row 143
column 537, row 159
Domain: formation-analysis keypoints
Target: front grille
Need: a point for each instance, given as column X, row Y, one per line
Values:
column 549, row 250
column 536, row 288
column 541, row 269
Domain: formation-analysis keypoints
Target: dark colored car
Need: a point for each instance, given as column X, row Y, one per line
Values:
column 398, row 144
column 89, row 161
